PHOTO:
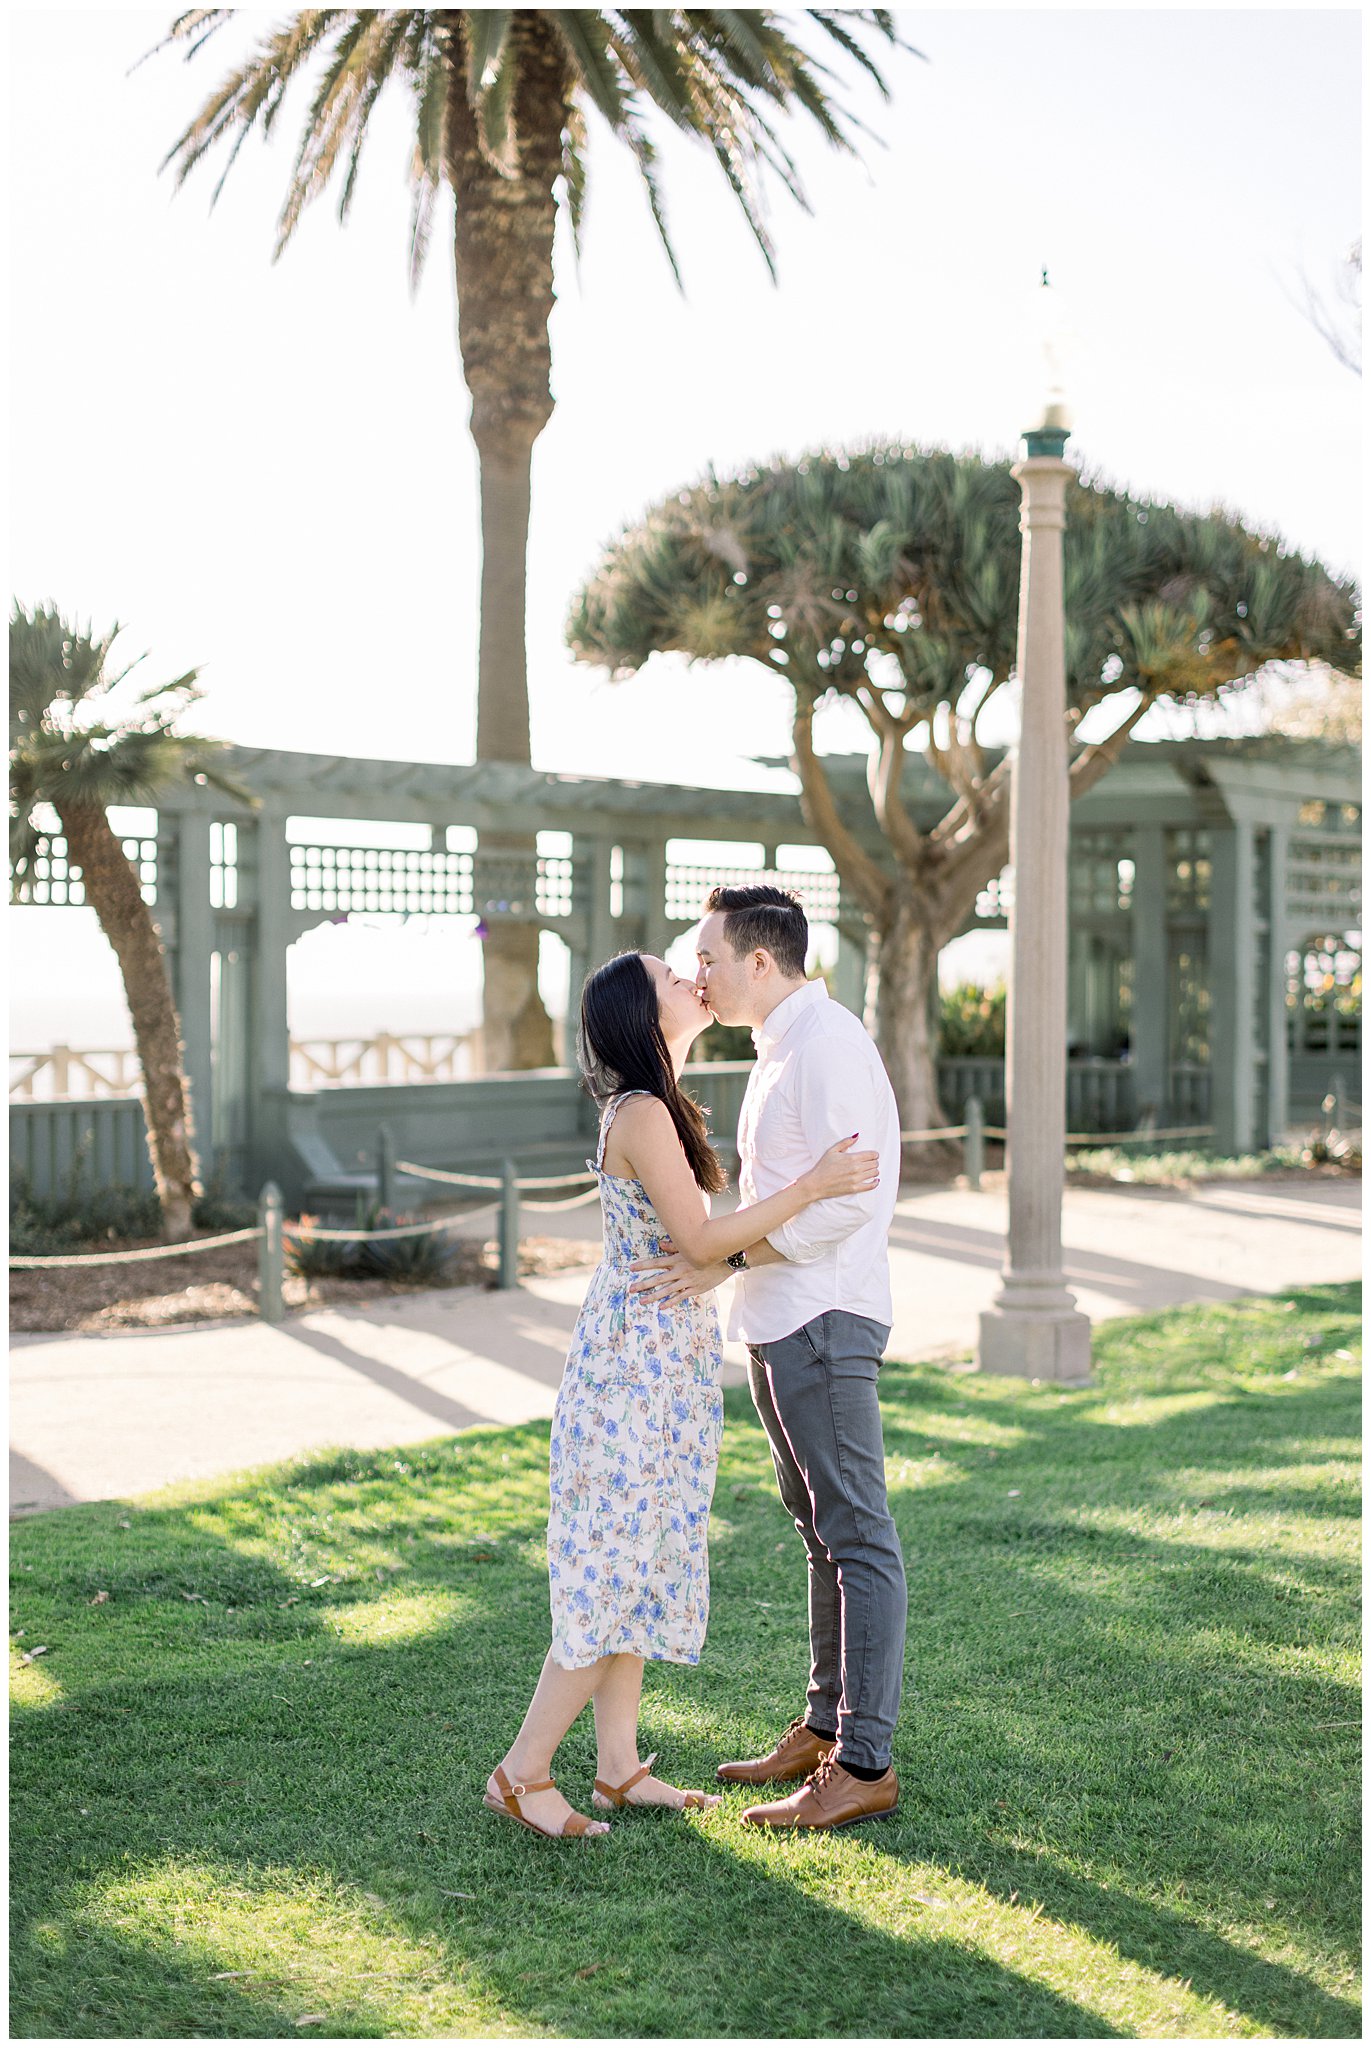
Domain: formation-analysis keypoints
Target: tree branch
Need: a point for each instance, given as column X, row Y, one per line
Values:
column 856, row 869
column 1097, row 760
column 883, row 778
column 975, row 859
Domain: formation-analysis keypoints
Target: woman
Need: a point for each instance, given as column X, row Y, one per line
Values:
column 635, row 1434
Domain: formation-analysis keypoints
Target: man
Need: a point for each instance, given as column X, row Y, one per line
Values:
column 812, row 1303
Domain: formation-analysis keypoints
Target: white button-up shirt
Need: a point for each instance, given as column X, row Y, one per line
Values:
column 818, row 1078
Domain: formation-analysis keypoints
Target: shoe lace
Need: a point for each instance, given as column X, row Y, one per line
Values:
column 822, row 1772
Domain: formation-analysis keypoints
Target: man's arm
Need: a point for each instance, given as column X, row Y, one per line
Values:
column 671, row 1277
column 833, row 1098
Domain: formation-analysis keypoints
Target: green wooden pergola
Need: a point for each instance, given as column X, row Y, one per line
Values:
column 1215, row 910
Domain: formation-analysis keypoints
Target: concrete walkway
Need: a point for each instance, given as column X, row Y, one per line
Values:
column 103, row 1417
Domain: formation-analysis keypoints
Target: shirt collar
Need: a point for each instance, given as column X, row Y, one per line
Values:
column 766, row 1035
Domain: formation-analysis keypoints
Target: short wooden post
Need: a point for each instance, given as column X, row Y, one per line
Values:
column 973, row 1144
column 509, row 1225
column 271, row 1255
column 385, row 1168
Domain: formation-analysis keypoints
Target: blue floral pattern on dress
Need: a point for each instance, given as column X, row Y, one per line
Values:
column 635, row 1450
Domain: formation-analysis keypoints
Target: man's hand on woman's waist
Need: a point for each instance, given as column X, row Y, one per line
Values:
column 670, row 1276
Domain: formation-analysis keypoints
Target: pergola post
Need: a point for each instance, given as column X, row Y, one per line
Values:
column 1232, row 987
column 1278, row 1030
column 1148, row 1012
column 1034, row 1328
column 268, row 1053
column 183, row 858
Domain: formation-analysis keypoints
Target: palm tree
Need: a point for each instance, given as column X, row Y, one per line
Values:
column 500, row 101
column 67, row 753
column 889, row 575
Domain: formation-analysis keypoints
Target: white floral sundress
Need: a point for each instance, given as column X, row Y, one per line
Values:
column 635, row 1450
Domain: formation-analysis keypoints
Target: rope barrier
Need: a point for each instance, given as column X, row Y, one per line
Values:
column 160, row 1251
column 312, row 1233
column 573, row 1202
column 485, row 1180
column 1100, row 1138
column 1105, row 1139
column 456, row 1180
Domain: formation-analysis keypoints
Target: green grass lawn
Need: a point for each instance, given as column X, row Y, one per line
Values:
column 247, row 1771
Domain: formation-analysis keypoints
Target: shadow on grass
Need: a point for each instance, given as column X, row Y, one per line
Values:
column 1081, row 1731
column 368, row 1766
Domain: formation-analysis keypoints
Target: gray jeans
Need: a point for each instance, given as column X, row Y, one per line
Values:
column 815, row 1392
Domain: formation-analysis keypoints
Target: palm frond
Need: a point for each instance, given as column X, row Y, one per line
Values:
column 333, row 126
column 584, row 34
column 646, row 44
column 430, row 148
column 647, row 167
column 724, row 76
column 574, row 174
column 65, row 746
column 491, row 93
column 487, row 30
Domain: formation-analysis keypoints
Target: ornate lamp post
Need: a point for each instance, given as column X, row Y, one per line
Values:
column 1034, row 1328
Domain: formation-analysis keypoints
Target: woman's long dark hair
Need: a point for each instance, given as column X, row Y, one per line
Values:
column 621, row 1046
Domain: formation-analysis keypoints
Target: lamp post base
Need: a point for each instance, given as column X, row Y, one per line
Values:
column 1036, row 1341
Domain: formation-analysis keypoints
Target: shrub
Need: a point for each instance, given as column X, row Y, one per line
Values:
column 1157, row 1167
column 971, row 1022
column 427, row 1260
column 80, row 1218
column 724, row 1042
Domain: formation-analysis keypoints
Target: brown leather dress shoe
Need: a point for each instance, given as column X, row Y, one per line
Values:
column 798, row 1752
column 831, row 1798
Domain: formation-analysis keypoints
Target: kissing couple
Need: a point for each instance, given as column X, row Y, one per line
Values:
column 639, row 1415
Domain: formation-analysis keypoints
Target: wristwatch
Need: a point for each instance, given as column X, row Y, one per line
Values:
column 738, row 1261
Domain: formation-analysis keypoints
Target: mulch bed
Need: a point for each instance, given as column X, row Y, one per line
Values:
column 209, row 1286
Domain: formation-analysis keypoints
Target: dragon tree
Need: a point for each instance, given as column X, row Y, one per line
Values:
column 889, row 575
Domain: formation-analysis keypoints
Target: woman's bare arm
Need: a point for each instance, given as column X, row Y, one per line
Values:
column 648, row 1140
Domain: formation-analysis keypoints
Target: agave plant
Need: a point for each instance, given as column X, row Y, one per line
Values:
column 889, row 575
column 68, row 751
column 500, row 101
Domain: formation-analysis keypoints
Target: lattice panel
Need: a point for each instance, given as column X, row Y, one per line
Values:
column 54, row 881
column 687, row 888
column 1189, row 869
column 554, row 886
column 1323, row 880
column 412, row 883
column 223, row 866
column 380, row 878
column 1100, row 875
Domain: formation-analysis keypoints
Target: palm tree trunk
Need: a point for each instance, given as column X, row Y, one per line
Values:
column 516, row 1032
column 503, row 236
column 113, row 892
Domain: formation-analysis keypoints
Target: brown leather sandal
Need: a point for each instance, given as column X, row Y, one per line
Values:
column 508, row 1804
column 617, row 1795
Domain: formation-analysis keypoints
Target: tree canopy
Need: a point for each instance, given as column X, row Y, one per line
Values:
column 67, row 743
column 889, row 575
column 721, row 75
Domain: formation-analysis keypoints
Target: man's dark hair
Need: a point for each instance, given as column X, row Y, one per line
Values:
column 756, row 914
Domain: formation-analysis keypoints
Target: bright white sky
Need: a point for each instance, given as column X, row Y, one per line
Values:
column 264, row 470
